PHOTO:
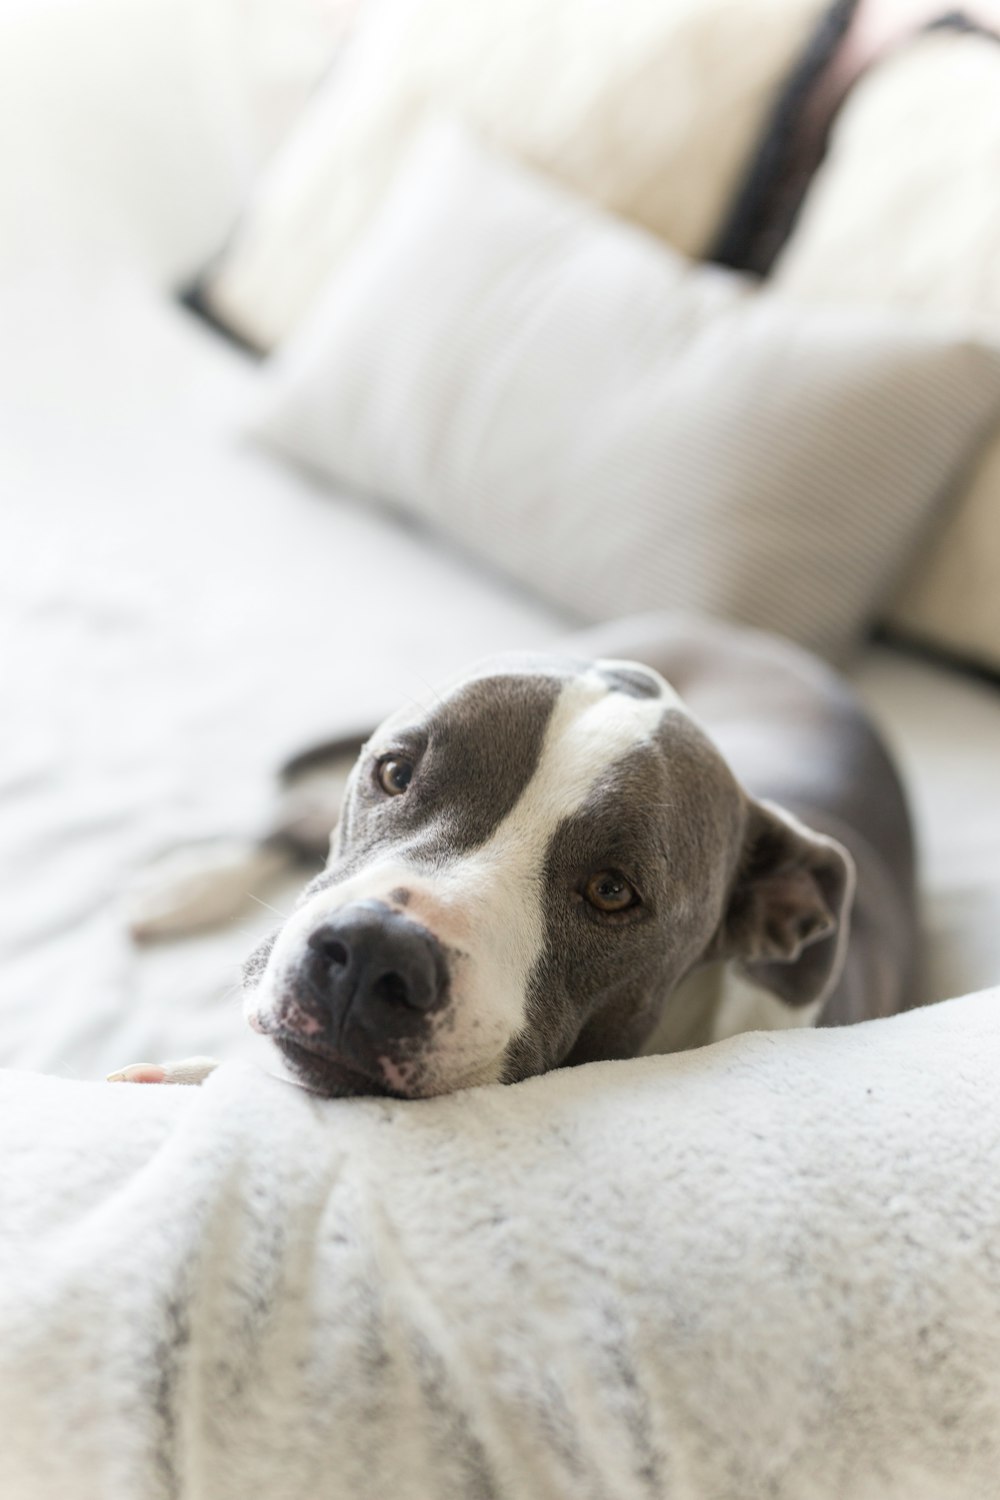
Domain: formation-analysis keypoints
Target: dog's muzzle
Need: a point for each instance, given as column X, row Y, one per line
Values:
column 361, row 999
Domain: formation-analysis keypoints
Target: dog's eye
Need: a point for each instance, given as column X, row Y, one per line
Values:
column 610, row 891
column 394, row 775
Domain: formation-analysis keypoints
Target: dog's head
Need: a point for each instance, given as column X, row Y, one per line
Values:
column 520, row 877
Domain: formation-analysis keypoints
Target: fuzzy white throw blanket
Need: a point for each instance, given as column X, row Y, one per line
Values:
column 771, row 1267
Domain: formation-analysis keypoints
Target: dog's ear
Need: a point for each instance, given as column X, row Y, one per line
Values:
column 787, row 918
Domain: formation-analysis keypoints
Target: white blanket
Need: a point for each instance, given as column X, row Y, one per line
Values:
column 767, row 1268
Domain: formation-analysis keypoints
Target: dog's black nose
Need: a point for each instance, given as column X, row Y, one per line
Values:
column 381, row 967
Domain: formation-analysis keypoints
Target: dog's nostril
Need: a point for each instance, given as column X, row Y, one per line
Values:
column 392, row 988
column 331, row 950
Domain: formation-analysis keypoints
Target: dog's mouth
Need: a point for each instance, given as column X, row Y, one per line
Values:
column 324, row 1071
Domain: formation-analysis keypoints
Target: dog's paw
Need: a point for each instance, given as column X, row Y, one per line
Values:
column 190, row 1070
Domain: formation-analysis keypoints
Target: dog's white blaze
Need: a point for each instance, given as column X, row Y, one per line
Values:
column 489, row 904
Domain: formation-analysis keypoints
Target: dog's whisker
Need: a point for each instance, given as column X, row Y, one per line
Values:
column 431, row 689
column 415, row 701
column 267, row 905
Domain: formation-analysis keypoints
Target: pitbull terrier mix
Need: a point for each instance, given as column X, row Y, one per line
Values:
column 528, row 874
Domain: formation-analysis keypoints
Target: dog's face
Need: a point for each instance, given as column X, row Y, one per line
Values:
column 520, row 877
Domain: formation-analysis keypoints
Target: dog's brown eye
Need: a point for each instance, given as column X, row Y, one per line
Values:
column 609, row 891
column 394, row 775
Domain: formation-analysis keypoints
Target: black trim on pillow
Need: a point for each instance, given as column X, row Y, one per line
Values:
column 194, row 297
column 934, row 655
column 792, row 145
column 782, row 164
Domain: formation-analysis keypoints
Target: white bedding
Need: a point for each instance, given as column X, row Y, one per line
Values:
column 180, row 611
column 764, row 1268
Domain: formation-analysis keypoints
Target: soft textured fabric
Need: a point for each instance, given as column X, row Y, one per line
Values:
column 614, row 426
column 906, row 213
column 648, row 106
column 765, row 1268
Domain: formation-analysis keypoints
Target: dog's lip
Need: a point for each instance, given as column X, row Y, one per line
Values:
column 323, row 1066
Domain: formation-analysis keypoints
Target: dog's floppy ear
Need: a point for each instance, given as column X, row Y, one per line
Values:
column 788, row 913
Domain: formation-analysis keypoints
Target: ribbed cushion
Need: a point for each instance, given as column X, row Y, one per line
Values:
column 617, row 428
column 905, row 213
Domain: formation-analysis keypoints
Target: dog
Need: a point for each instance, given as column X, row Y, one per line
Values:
column 663, row 832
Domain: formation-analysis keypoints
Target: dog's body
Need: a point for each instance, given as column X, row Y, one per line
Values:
column 526, row 874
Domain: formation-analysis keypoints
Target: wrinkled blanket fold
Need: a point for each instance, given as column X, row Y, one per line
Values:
column 768, row 1267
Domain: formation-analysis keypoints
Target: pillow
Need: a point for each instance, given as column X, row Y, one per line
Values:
column 648, row 106
column 905, row 212
column 620, row 430
column 278, row 52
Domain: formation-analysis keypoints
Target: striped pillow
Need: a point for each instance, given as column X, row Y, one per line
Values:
column 574, row 402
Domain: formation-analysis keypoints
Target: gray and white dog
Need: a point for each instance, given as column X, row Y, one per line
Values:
column 528, row 874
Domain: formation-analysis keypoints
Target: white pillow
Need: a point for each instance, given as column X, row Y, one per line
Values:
column 615, row 427
column 648, row 106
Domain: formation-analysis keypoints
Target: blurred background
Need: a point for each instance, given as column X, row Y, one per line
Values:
column 342, row 341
